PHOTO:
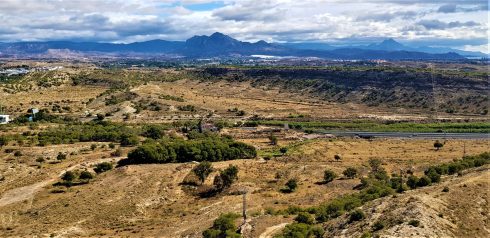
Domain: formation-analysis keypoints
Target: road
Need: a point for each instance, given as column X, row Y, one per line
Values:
column 414, row 135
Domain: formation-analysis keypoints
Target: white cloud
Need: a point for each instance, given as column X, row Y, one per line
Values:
column 271, row 20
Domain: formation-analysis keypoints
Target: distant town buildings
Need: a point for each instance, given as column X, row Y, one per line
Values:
column 22, row 71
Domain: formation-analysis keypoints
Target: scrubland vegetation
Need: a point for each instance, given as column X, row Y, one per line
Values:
column 135, row 149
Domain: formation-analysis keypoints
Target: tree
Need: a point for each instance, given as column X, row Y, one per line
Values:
column 291, row 185
column 273, row 139
column 68, row 176
column 350, row 172
column 304, row 217
column 356, row 215
column 223, row 226
column 129, row 140
column 337, row 157
column 412, row 181
column 423, row 181
column 93, row 146
column 438, row 145
column 86, row 175
column 61, row 156
column 226, row 178
column 102, row 167
column 154, row 132
column 283, row 150
column 203, row 170
column 434, row 176
column 329, row 176
column 100, row 117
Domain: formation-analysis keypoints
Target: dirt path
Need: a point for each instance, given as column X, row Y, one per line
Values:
column 22, row 193
column 28, row 192
column 270, row 231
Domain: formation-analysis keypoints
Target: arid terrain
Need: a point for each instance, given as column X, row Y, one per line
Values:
column 91, row 116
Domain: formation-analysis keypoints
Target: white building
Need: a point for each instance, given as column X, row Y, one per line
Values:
column 4, row 119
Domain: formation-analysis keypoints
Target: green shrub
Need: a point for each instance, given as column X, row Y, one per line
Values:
column 291, row 186
column 203, row 170
column 154, row 132
column 129, row 140
column 423, row 181
column 438, row 145
column 378, row 225
column 445, row 189
column 396, row 182
column 223, row 226
column 412, row 181
column 300, row 230
column 356, row 215
column 61, row 156
column 69, row 176
column 329, row 176
column 434, row 176
column 40, row 160
column 226, row 178
column 86, row 175
column 304, row 217
column 414, row 223
column 350, row 172
column 102, row 167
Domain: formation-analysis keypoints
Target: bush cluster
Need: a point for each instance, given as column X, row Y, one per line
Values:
column 223, row 226
column 209, row 148
column 377, row 184
column 100, row 131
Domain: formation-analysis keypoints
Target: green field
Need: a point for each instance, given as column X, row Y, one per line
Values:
column 450, row 127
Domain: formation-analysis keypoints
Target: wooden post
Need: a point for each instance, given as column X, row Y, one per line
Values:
column 244, row 212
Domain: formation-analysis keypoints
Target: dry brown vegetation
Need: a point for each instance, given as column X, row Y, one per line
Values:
column 151, row 201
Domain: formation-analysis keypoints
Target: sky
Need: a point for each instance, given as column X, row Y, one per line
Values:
column 462, row 24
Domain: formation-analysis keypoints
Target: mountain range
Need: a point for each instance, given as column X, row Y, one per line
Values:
column 220, row 45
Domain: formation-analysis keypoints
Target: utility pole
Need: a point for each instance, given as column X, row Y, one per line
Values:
column 244, row 211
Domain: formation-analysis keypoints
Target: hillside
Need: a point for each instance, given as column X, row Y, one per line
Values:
column 393, row 87
column 459, row 212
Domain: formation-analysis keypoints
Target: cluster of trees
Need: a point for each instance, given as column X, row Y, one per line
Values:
column 222, row 181
column 42, row 116
column 77, row 177
column 73, row 178
column 208, row 148
column 100, row 131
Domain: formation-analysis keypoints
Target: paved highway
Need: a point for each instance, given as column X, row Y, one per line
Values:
column 414, row 135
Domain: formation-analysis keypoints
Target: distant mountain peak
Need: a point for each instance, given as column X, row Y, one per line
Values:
column 218, row 34
column 389, row 45
column 391, row 42
column 262, row 42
